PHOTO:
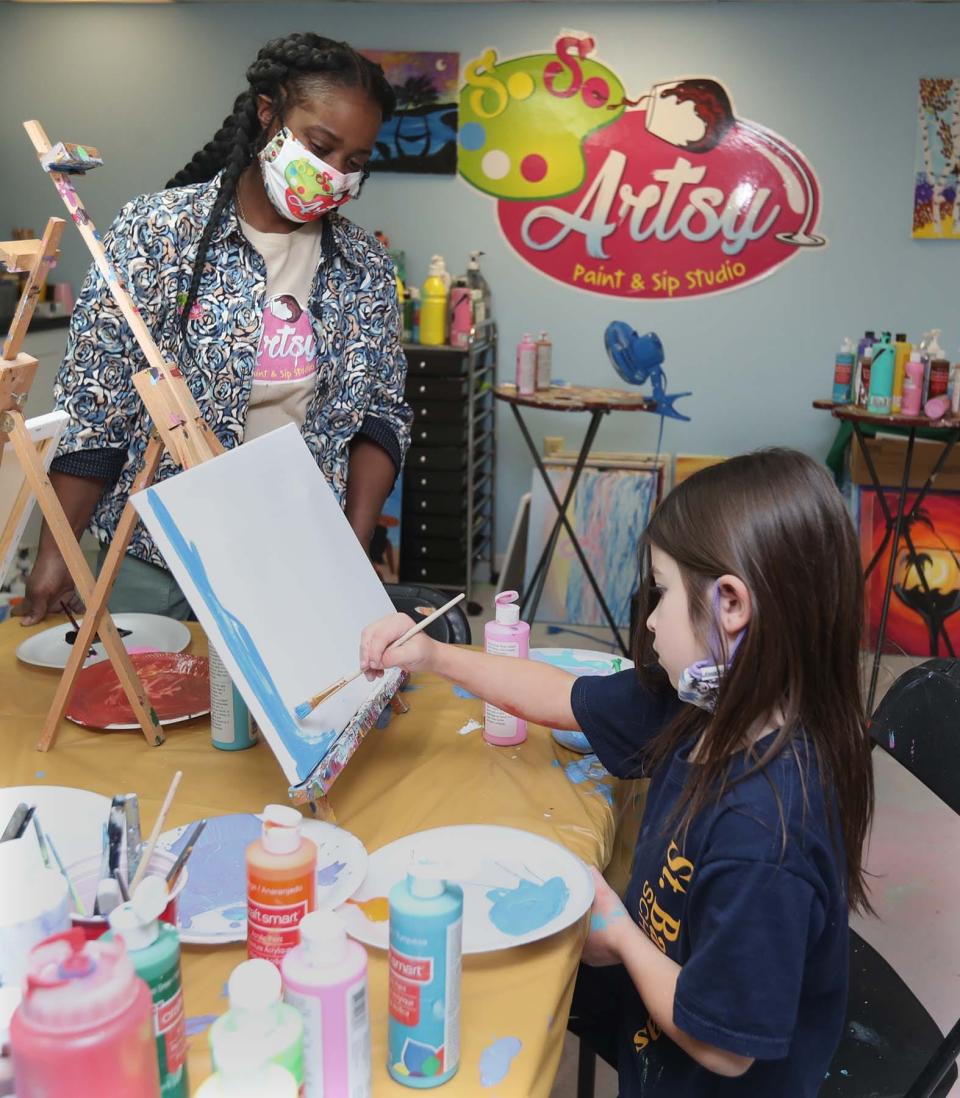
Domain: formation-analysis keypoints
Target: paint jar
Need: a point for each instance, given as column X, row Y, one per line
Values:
column 154, row 948
column 258, row 1028
column 85, row 1026
column 85, row 875
column 281, row 884
column 426, row 934
column 34, row 903
column 461, row 316
column 507, row 635
column 325, row 979
column 231, row 725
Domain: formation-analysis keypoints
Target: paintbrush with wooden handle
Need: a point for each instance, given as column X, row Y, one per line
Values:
column 304, row 709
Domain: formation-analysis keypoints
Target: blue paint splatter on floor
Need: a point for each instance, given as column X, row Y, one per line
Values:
column 527, row 906
column 462, row 692
column 199, row 1023
column 495, row 1060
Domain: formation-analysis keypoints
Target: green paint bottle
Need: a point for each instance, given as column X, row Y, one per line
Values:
column 154, row 949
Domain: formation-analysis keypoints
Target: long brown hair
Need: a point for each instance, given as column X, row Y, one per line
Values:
column 776, row 521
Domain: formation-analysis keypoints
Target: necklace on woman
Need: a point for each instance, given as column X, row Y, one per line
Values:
column 239, row 202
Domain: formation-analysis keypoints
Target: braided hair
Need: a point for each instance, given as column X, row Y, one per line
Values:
column 287, row 70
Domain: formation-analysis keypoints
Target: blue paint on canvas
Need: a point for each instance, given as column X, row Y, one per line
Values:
column 306, row 753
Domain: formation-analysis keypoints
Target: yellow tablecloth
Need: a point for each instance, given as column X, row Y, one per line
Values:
column 415, row 774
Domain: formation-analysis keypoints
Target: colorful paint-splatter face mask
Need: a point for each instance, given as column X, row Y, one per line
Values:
column 700, row 682
column 301, row 186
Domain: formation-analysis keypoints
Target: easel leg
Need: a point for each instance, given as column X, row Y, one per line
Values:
column 83, row 578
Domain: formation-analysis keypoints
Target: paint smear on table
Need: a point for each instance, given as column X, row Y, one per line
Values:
column 199, row 1023
column 377, row 909
column 470, row 726
column 495, row 1060
column 589, row 769
column 216, row 868
column 528, row 905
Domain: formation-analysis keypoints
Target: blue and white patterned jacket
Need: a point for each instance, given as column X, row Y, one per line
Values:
column 152, row 243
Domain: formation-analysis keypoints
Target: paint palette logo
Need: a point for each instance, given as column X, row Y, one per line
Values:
column 419, row 1060
column 523, row 121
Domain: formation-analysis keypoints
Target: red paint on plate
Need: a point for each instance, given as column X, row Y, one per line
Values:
column 178, row 686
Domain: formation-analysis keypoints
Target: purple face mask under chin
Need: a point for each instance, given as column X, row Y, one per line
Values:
column 700, row 682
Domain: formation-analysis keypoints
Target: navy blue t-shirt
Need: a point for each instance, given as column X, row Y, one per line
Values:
column 759, row 930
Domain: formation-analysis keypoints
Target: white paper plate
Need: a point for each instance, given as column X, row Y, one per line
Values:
column 579, row 661
column 517, row 887
column 213, row 906
column 73, row 817
column 151, row 631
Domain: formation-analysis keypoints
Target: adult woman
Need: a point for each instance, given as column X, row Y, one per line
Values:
column 276, row 308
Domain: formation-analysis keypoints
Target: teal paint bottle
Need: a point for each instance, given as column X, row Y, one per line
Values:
column 881, row 377
column 423, row 1023
column 154, row 949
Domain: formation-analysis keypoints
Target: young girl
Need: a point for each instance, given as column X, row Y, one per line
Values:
column 724, row 972
column 276, row 308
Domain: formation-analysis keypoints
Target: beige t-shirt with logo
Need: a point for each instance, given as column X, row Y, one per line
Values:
column 285, row 374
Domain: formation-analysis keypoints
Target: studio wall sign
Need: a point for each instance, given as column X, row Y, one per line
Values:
column 664, row 195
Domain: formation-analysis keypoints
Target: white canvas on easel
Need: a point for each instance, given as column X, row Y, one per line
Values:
column 276, row 576
column 16, row 499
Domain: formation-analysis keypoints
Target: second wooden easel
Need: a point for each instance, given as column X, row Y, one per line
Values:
column 179, row 425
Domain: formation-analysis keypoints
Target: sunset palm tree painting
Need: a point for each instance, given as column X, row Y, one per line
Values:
column 422, row 135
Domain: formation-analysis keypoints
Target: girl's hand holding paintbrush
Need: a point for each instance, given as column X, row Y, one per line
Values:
column 535, row 691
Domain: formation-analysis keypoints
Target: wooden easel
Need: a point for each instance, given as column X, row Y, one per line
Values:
column 17, row 371
column 179, row 428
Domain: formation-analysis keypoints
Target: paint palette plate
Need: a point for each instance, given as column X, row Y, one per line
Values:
column 579, row 661
column 146, row 631
column 73, row 817
column 177, row 685
column 213, row 905
column 518, row 887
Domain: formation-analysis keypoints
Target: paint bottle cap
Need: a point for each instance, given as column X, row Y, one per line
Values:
column 508, row 612
column 847, row 347
column 934, row 350
column 426, row 880
column 281, row 828
column 254, row 986
column 324, row 934
column 138, row 921
column 901, row 337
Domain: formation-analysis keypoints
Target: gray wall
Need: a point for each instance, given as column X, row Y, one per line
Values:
column 150, row 84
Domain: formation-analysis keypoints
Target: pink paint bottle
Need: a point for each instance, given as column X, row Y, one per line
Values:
column 85, row 1026
column 506, row 636
column 325, row 979
column 912, row 386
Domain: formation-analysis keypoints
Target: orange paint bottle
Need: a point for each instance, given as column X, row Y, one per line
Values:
column 281, row 884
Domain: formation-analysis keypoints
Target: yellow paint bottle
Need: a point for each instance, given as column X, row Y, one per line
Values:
column 433, row 307
column 902, row 354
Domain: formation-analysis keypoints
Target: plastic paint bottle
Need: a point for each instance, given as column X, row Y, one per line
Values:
column 258, row 1024
column 912, row 386
column 85, row 1026
column 415, row 313
column 281, row 883
column 461, row 316
column 544, row 361
column 423, row 1023
column 526, row 366
column 881, row 377
column 939, row 368
column 433, row 310
column 505, row 636
column 154, row 949
column 869, row 338
column 250, row 1082
column 325, row 979
column 231, row 724
column 955, row 390
column 482, row 307
column 9, row 1001
column 903, row 349
column 843, row 372
column 864, row 366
